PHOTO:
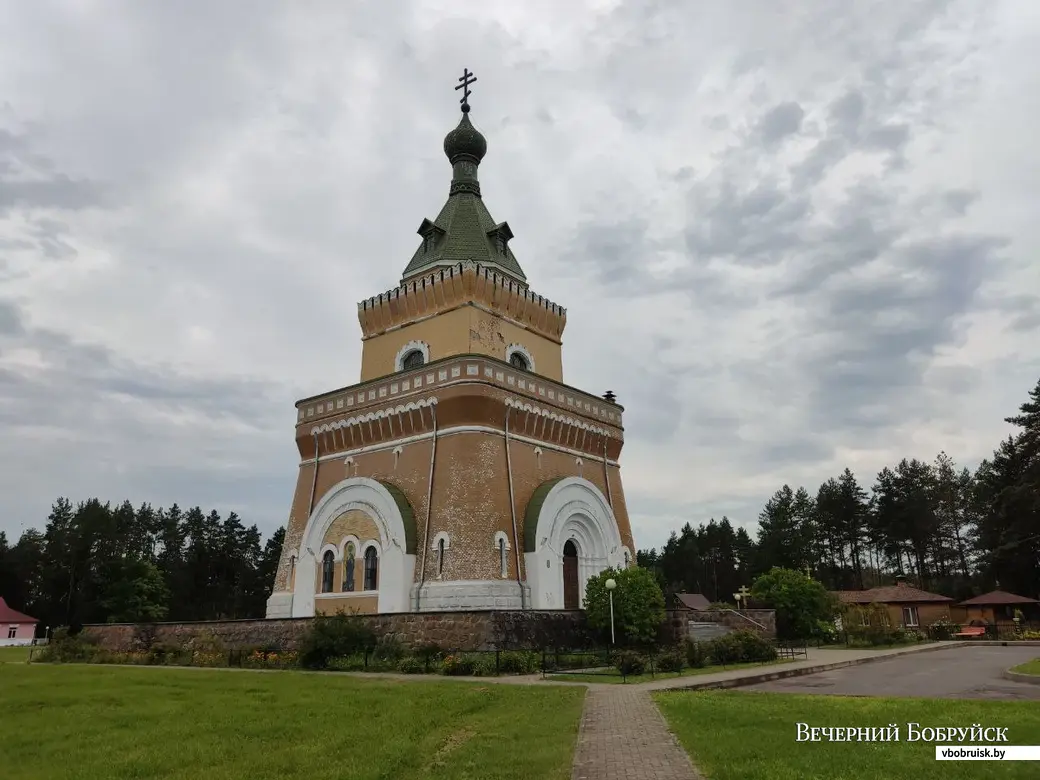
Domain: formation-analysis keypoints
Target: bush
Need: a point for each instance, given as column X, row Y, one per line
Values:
column 630, row 663
column 66, row 648
column 468, row 665
column 942, row 629
column 388, row 649
column 754, row 648
column 519, row 662
column 672, row 660
column 696, row 654
column 411, row 665
column 725, row 650
column 334, row 636
column 166, row 654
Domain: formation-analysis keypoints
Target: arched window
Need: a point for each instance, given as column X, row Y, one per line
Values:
column 349, row 556
column 371, row 568
column 517, row 360
column 503, row 561
column 328, row 570
column 413, row 359
column 440, row 557
column 627, row 559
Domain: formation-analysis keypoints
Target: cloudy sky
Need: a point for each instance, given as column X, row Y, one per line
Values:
column 791, row 236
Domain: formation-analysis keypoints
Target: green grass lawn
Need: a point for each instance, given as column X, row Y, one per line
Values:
column 1029, row 667
column 94, row 722
column 14, row 653
column 615, row 678
column 732, row 735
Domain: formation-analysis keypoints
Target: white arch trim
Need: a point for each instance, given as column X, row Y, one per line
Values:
column 396, row 566
column 436, row 540
column 382, row 414
column 411, row 346
column 523, row 351
column 501, row 536
column 574, row 510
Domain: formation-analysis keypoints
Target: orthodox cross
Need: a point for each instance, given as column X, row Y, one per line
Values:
column 808, row 571
column 741, row 595
column 466, row 78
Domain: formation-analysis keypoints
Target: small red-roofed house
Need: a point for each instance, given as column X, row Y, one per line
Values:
column 904, row 606
column 16, row 628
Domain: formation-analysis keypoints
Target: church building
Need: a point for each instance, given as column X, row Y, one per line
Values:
column 460, row 472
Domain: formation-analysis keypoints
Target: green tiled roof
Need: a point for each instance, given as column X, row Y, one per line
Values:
column 534, row 509
column 407, row 515
column 464, row 229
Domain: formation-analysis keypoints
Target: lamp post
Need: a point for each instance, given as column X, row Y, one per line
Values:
column 611, row 584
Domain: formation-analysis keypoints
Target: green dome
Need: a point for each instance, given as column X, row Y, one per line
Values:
column 465, row 142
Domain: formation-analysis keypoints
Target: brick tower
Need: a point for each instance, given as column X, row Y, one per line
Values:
column 460, row 472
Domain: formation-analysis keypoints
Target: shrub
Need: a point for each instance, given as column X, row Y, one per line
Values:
column 518, row 662
column 430, row 654
column 388, row 648
column 166, row 654
column 66, row 648
column 672, row 660
column 942, row 629
column 725, row 650
column 457, row 665
column 630, row 663
column 754, row 648
column 411, row 665
column 696, row 655
column 334, row 636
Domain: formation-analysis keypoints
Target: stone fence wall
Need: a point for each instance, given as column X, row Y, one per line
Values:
column 478, row 630
column 487, row 630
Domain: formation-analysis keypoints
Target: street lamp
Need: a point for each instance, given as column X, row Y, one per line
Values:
column 611, row 584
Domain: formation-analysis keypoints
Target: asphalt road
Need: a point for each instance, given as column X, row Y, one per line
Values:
column 956, row 673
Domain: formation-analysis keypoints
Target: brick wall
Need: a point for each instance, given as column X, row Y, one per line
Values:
column 489, row 630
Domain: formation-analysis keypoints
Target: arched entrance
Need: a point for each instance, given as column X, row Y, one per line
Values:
column 570, row 536
column 571, row 594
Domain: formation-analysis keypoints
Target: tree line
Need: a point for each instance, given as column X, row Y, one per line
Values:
column 97, row 563
column 951, row 530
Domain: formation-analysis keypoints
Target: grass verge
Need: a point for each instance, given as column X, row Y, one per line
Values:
column 14, row 654
column 614, row 678
column 740, row 735
column 1029, row 667
column 93, row 722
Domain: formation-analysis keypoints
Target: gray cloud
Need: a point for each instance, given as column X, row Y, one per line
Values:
column 781, row 121
column 789, row 242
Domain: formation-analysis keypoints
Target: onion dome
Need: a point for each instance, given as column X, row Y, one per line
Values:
column 465, row 142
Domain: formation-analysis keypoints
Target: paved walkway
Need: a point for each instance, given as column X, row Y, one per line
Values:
column 623, row 736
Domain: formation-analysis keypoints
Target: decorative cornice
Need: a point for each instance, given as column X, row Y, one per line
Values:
column 458, row 370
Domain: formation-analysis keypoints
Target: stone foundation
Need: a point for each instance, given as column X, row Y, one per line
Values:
column 456, row 630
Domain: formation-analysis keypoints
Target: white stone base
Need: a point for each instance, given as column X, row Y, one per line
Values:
column 439, row 596
column 279, row 605
column 18, row 642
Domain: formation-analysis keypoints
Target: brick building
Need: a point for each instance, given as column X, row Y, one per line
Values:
column 460, row 472
column 900, row 605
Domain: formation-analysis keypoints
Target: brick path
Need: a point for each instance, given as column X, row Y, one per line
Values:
column 623, row 736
